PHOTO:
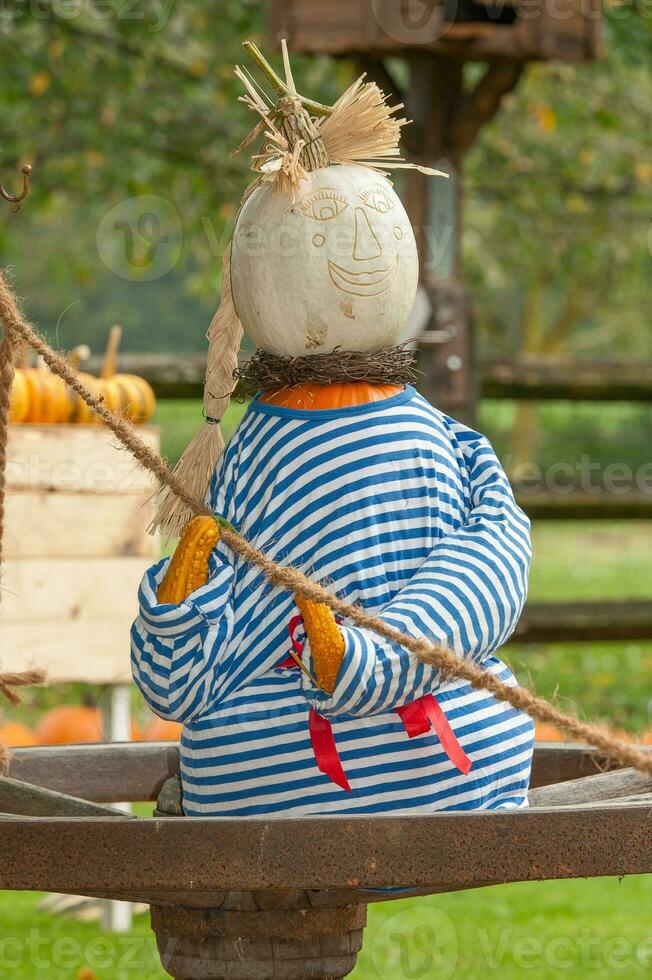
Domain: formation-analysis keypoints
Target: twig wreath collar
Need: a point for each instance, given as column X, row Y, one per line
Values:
column 389, row 366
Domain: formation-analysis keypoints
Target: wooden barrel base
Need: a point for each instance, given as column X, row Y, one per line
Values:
column 259, row 936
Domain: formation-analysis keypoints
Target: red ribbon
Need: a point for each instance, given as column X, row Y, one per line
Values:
column 321, row 730
column 289, row 662
column 419, row 715
column 325, row 749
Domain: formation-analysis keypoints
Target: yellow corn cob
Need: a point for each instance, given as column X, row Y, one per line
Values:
column 326, row 641
column 188, row 569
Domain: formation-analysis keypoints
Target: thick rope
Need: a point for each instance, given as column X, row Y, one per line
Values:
column 6, row 381
column 614, row 749
column 9, row 681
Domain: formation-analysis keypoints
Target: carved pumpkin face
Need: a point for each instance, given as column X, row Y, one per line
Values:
column 337, row 267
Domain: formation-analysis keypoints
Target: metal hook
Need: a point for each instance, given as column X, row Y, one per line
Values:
column 15, row 199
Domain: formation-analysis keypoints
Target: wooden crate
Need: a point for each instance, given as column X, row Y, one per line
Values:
column 76, row 546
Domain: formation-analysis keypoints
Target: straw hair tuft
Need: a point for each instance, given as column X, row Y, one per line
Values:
column 364, row 129
column 302, row 135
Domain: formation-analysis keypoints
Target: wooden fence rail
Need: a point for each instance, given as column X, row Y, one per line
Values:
column 116, row 772
column 548, row 379
column 585, row 622
column 545, row 505
column 182, row 376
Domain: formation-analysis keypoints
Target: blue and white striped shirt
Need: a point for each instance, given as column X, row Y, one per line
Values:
column 391, row 505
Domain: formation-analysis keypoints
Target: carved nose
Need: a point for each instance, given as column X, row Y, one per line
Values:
column 366, row 245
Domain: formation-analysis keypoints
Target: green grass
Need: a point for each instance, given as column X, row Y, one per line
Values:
column 576, row 929
column 592, row 929
column 537, row 929
column 35, row 945
column 591, row 560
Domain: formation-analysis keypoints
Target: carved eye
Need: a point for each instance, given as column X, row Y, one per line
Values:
column 324, row 205
column 376, row 197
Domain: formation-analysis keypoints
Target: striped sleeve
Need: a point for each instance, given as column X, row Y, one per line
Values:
column 467, row 595
column 176, row 650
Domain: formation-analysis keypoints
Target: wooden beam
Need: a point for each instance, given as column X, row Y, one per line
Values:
column 584, row 622
column 543, row 505
column 556, row 762
column 178, row 854
column 547, row 379
column 600, row 788
column 19, row 798
column 388, row 27
column 136, row 771
column 106, row 773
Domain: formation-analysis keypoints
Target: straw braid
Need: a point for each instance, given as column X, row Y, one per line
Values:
column 614, row 749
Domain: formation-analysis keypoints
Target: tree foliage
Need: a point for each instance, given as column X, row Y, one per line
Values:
column 116, row 100
column 558, row 235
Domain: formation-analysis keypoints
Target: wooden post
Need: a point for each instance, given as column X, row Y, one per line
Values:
column 434, row 205
column 257, row 935
column 118, row 916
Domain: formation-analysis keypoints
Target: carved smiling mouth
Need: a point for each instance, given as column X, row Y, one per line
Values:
column 362, row 283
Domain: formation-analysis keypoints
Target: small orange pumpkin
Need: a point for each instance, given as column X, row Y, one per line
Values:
column 19, row 407
column 69, row 724
column 160, row 730
column 546, row 733
column 14, row 734
column 136, row 732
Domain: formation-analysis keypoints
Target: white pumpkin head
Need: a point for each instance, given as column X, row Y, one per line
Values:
column 335, row 267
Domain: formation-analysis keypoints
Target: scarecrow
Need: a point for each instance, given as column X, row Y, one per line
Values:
column 342, row 470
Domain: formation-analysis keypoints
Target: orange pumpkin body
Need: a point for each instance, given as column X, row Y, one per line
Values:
column 339, row 394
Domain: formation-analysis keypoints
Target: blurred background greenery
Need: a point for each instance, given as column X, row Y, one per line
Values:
column 558, row 195
column 557, row 250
